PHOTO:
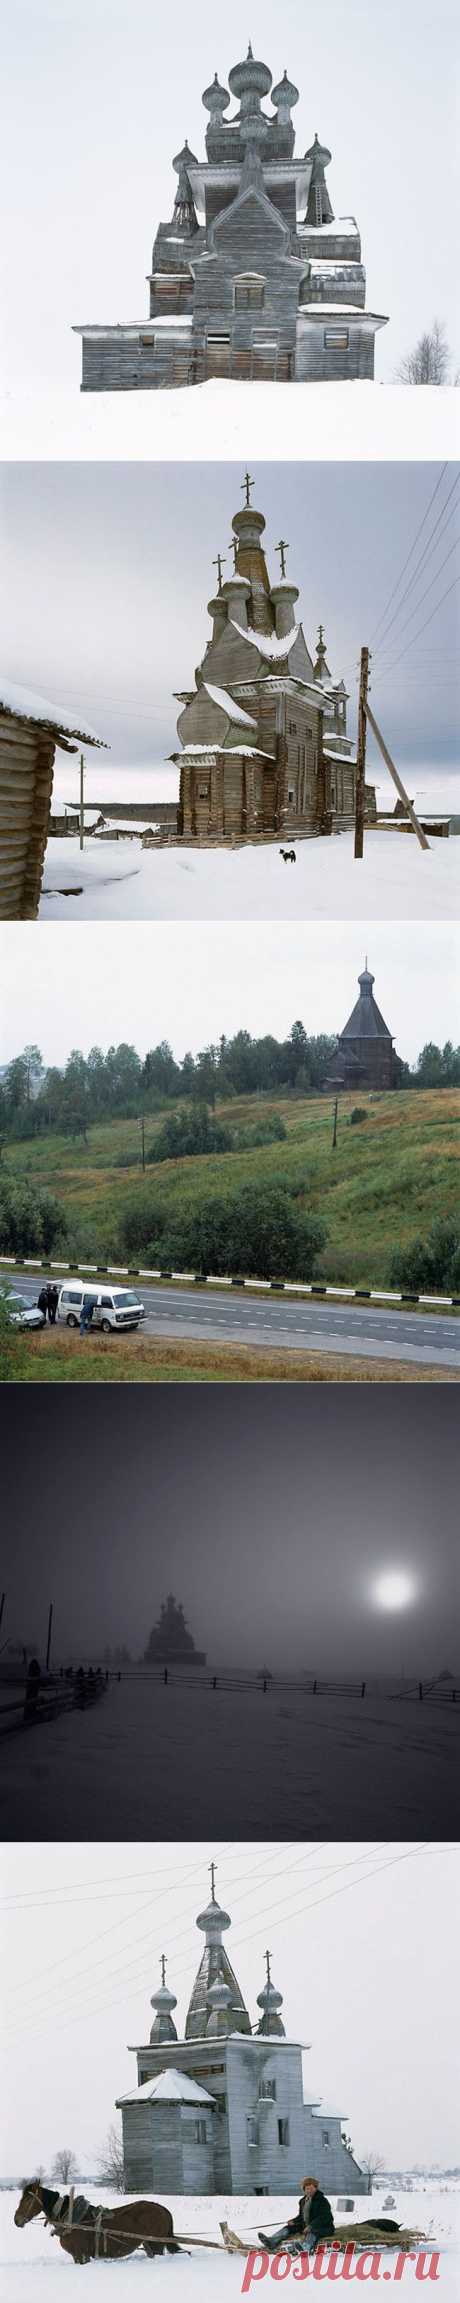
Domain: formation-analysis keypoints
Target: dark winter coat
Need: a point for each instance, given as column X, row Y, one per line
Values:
column 315, row 2216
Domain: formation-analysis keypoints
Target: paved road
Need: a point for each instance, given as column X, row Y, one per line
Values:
column 277, row 1323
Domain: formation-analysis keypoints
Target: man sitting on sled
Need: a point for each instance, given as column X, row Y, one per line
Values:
column 313, row 2222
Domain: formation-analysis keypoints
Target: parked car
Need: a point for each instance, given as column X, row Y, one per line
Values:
column 113, row 1307
column 22, row 1313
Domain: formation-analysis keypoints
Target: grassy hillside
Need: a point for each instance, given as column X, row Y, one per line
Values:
column 385, row 1182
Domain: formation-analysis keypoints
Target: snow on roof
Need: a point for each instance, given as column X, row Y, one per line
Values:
column 267, row 644
column 169, row 2087
column 341, row 228
column 244, row 751
column 25, row 704
column 341, row 311
column 226, row 704
column 328, row 2111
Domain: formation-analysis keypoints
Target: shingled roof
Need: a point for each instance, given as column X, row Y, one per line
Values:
column 365, row 1022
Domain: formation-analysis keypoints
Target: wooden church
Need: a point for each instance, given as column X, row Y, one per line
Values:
column 222, row 2108
column 252, row 276
column 264, row 750
column 365, row 1055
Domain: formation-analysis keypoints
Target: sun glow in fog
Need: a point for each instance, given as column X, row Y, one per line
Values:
column 394, row 1589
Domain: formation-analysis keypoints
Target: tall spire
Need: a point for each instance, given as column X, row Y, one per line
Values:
column 319, row 209
column 226, row 2006
column 321, row 668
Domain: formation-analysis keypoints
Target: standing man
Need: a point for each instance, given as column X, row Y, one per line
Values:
column 314, row 2221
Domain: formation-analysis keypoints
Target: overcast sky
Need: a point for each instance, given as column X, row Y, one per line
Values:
column 205, row 1479
column 151, row 983
column 109, row 569
column 83, row 1932
column 100, row 95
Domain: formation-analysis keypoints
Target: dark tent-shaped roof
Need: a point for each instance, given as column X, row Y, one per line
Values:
column 365, row 1022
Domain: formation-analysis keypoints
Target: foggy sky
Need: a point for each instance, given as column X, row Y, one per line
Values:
column 109, row 569
column 82, row 1939
column 269, row 1511
column 99, row 96
column 155, row 982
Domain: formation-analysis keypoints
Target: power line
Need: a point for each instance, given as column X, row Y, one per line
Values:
column 424, row 596
column 392, row 594
column 275, row 1915
column 422, row 628
column 443, row 524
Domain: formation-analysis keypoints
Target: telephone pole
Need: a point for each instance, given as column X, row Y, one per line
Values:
column 361, row 752
column 48, row 1643
column 334, row 1127
column 82, row 799
column 142, row 1125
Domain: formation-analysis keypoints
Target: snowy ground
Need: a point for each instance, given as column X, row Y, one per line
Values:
column 395, row 880
column 33, row 2269
column 278, row 1765
column 220, row 420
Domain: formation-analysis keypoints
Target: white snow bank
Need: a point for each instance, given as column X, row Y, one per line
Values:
column 26, row 704
column 223, row 421
column 395, row 880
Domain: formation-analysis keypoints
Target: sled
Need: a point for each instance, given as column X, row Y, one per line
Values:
column 359, row 2235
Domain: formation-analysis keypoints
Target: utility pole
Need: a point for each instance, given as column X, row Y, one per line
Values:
column 400, row 787
column 334, row 1126
column 82, row 799
column 142, row 1126
column 48, row 1643
column 361, row 752
column 2, row 1604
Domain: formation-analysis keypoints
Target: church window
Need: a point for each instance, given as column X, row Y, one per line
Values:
column 283, row 2133
column 203, row 791
column 249, row 293
column 267, row 2090
column 199, row 2131
column 252, row 2132
column 148, row 343
column 291, row 796
column 293, row 727
column 325, row 2137
column 336, row 339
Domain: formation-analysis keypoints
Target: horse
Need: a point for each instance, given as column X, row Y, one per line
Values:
column 87, row 2232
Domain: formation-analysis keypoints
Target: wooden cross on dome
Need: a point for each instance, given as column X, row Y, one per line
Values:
column 246, row 486
column 219, row 563
column 282, row 548
column 267, row 1957
column 163, row 1969
column 212, row 1868
column 234, row 549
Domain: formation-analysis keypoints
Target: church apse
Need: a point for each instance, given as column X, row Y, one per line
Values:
column 252, row 276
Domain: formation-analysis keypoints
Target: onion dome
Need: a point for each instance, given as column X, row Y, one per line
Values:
column 163, row 2001
column 213, row 1921
column 219, row 2001
column 318, row 154
column 321, row 668
column 250, row 79
column 284, row 96
column 185, row 159
column 215, row 99
column 270, row 2001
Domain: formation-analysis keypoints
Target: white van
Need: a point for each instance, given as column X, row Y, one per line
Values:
column 113, row 1307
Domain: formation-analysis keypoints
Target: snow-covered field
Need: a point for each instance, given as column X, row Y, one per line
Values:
column 396, row 879
column 33, row 2268
column 220, row 420
column 283, row 1765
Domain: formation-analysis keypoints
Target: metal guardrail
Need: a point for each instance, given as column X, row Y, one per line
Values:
column 315, row 1290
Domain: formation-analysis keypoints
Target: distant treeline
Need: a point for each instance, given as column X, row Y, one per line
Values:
column 122, row 1085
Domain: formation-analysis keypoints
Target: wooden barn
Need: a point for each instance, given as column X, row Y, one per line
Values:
column 30, row 730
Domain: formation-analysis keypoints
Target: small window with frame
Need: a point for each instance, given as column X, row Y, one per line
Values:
column 336, row 339
column 249, row 293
